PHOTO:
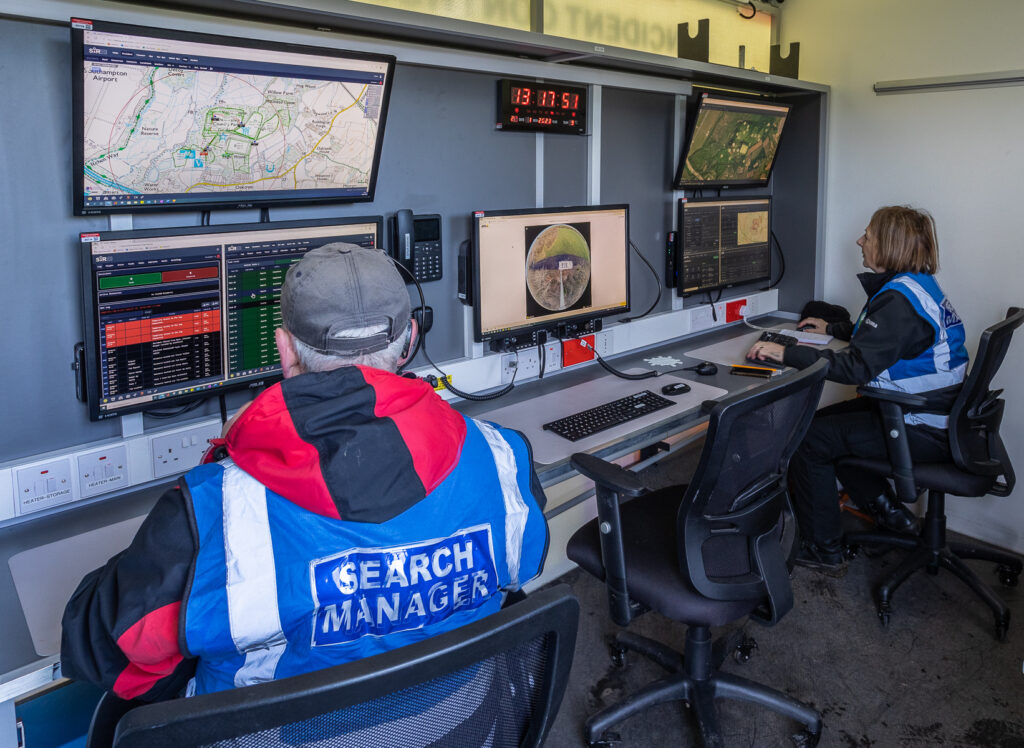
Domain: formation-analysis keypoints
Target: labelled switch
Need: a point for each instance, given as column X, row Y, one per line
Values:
column 43, row 486
column 103, row 471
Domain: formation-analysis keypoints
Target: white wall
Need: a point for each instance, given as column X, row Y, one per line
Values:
column 960, row 154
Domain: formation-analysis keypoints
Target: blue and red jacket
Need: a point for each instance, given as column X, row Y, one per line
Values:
column 358, row 512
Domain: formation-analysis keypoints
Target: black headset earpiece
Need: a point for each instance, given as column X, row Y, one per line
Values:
column 408, row 342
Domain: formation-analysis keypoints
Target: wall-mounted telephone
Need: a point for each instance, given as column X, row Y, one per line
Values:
column 416, row 244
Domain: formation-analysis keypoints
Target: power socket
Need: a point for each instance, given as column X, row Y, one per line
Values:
column 179, row 452
column 527, row 366
column 552, row 356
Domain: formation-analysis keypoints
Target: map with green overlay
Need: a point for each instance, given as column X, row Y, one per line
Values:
column 732, row 146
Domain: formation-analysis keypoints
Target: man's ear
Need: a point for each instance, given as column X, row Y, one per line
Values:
column 290, row 366
column 411, row 345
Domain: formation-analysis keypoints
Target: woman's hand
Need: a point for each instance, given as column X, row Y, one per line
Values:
column 763, row 351
column 813, row 324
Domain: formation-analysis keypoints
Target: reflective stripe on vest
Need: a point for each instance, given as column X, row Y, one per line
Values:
column 945, row 372
column 516, row 511
column 253, row 614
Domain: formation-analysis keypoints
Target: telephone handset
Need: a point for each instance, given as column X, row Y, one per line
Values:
column 416, row 244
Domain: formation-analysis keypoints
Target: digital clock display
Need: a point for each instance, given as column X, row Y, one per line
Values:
column 541, row 107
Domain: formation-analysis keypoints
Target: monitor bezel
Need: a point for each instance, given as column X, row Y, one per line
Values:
column 478, row 335
column 679, row 184
column 681, row 203
column 211, row 201
column 90, row 328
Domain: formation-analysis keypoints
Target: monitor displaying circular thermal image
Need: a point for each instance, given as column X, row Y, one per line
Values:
column 558, row 267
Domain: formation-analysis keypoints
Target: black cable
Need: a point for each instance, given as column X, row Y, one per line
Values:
column 187, row 407
column 421, row 345
column 204, row 218
column 753, row 11
column 657, row 284
column 542, row 354
column 612, row 370
column 712, row 302
column 223, row 408
column 782, row 264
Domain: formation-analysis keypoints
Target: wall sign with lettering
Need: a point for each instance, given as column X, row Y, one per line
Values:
column 541, row 107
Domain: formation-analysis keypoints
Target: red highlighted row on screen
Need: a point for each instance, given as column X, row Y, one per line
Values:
column 161, row 328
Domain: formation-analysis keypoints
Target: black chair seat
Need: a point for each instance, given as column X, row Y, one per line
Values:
column 934, row 476
column 652, row 561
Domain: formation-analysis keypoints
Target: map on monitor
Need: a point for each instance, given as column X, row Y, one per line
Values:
column 732, row 142
column 166, row 120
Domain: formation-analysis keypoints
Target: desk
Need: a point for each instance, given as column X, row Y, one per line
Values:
column 568, row 507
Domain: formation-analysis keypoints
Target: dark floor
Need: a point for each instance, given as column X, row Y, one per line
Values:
column 936, row 676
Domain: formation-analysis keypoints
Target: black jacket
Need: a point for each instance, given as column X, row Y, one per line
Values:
column 890, row 330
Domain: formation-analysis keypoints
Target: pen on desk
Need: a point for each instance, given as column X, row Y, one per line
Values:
column 752, row 371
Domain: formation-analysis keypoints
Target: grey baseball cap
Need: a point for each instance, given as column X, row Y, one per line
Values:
column 339, row 287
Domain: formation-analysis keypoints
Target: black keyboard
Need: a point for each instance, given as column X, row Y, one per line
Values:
column 583, row 424
column 777, row 337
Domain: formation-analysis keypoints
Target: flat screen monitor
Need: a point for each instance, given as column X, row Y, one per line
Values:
column 732, row 143
column 169, row 120
column 723, row 243
column 174, row 314
column 536, row 268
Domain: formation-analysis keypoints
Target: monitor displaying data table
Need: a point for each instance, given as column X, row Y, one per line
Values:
column 174, row 314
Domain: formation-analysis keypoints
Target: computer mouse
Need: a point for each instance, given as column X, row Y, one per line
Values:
column 676, row 388
column 706, row 369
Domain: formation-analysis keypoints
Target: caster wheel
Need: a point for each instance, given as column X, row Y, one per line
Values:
column 617, row 654
column 884, row 613
column 806, row 739
column 851, row 551
column 1008, row 576
column 744, row 651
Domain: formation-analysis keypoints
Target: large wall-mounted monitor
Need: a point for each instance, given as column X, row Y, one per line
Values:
column 723, row 243
column 535, row 269
column 732, row 143
column 175, row 314
column 168, row 120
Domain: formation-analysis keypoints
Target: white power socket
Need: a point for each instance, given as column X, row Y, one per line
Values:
column 180, row 451
column 702, row 318
column 527, row 366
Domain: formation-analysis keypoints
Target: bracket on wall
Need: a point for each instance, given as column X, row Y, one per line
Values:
column 788, row 66
column 697, row 47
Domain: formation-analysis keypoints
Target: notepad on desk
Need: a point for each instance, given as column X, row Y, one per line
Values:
column 810, row 338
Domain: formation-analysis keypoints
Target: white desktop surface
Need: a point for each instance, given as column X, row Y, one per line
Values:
column 46, row 576
column 548, row 447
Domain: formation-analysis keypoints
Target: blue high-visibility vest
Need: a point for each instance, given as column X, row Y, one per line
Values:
column 279, row 590
column 944, row 363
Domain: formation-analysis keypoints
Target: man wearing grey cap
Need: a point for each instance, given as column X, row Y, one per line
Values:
column 355, row 512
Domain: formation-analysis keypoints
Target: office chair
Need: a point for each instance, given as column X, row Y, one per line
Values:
column 497, row 682
column 705, row 554
column 980, row 467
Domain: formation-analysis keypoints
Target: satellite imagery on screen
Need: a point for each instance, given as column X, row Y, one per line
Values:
column 731, row 146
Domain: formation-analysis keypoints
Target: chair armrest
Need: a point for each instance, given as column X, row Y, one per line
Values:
column 608, row 474
column 903, row 399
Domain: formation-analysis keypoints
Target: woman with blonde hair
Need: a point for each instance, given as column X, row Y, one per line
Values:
column 908, row 337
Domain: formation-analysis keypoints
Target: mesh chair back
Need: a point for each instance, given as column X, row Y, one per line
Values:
column 976, row 415
column 730, row 516
column 497, row 682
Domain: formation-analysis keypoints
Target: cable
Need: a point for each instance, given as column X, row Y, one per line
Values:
column 782, row 264
column 187, row 407
column 542, row 354
column 712, row 302
column 657, row 284
column 421, row 345
column 611, row 369
column 753, row 11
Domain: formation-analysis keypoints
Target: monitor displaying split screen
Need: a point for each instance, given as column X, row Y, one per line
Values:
column 168, row 120
column 173, row 314
column 539, row 267
column 723, row 243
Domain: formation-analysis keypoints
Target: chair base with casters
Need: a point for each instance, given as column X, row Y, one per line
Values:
column 980, row 466
column 930, row 550
column 694, row 676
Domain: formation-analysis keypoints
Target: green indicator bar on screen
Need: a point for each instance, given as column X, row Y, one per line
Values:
column 135, row 279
